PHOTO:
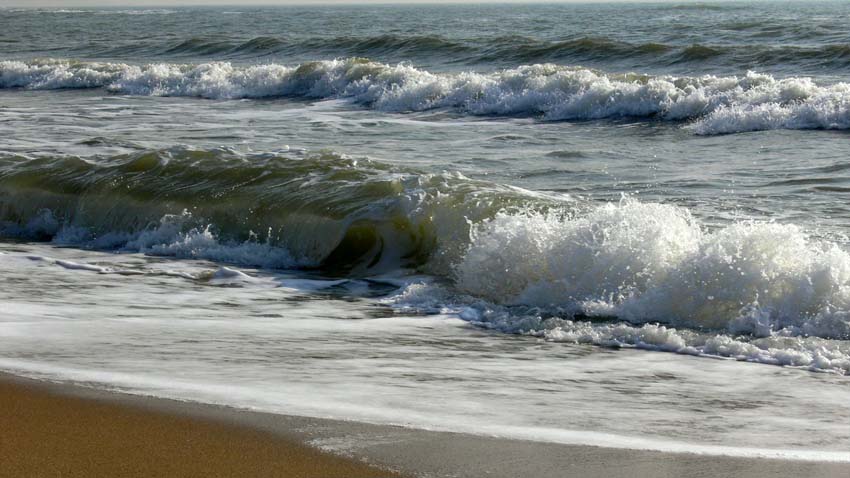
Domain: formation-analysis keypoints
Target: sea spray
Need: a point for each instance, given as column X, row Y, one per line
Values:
column 648, row 262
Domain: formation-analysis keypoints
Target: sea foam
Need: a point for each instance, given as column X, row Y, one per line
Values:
column 711, row 104
column 650, row 276
column 649, row 262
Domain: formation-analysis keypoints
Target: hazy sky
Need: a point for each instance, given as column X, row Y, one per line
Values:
column 136, row 3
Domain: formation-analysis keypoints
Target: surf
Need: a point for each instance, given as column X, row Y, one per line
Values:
column 707, row 105
column 518, row 250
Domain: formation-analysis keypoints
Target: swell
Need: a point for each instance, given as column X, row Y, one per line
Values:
column 713, row 104
column 266, row 45
column 499, row 50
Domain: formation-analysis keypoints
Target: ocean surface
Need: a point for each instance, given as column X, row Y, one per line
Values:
column 622, row 225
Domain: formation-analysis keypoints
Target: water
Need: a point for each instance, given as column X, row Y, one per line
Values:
column 611, row 224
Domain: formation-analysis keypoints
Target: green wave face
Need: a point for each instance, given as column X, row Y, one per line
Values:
column 325, row 210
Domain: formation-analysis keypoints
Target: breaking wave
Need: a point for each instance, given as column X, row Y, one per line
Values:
column 711, row 104
column 627, row 274
column 650, row 276
column 643, row 262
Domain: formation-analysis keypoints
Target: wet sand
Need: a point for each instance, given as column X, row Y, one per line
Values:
column 45, row 434
column 49, row 429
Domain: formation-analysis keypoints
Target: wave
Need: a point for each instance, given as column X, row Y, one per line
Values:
column 618, row 274
column 65, row 11
column 266, row 45
column 784, row 347
column 517, row 49
column 508, row 50
column 649, row 276
column 277, row 210
column 731, row 49
column 550, row 92
column 695, row 6
column 644, row 262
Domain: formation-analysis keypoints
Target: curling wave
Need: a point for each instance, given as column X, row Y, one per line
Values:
column 619, row 274
column 713, row 105
column 279, row 210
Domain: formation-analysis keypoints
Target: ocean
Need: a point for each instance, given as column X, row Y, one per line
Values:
column 621, row 225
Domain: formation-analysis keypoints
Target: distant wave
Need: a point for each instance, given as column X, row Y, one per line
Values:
column 697, row 6
column 712, row 104
column 264, row 45
column 61, row 11
column 508, row 50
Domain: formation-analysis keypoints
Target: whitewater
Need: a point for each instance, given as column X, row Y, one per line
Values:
column 716, row 105
column 498, row 225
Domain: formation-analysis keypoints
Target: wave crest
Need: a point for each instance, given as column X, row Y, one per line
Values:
column 648, row 262
column 713, row 104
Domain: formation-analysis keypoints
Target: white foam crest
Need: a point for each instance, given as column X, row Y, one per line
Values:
column 654, row 263
column 71, row 265
column 227, row 274
column 50, row 10
column 174, row 236
column 223, row 275
column 717, row 104
column 822, row 108
column 55, row 74
column 780, row 348
column 810, row 353
column 171, row 239
column 149, row 11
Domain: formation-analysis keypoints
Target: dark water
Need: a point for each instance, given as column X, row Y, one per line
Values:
column 782, row 38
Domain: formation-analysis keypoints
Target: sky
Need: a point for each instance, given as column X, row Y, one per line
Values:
column 136, row 3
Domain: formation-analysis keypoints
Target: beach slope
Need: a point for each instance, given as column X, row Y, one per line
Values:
column 47, row 434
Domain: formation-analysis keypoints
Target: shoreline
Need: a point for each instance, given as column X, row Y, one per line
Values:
column 52, row 430
column 328, row 446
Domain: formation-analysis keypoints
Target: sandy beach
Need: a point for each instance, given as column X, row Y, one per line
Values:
column 48, row 434
column 49, row 429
